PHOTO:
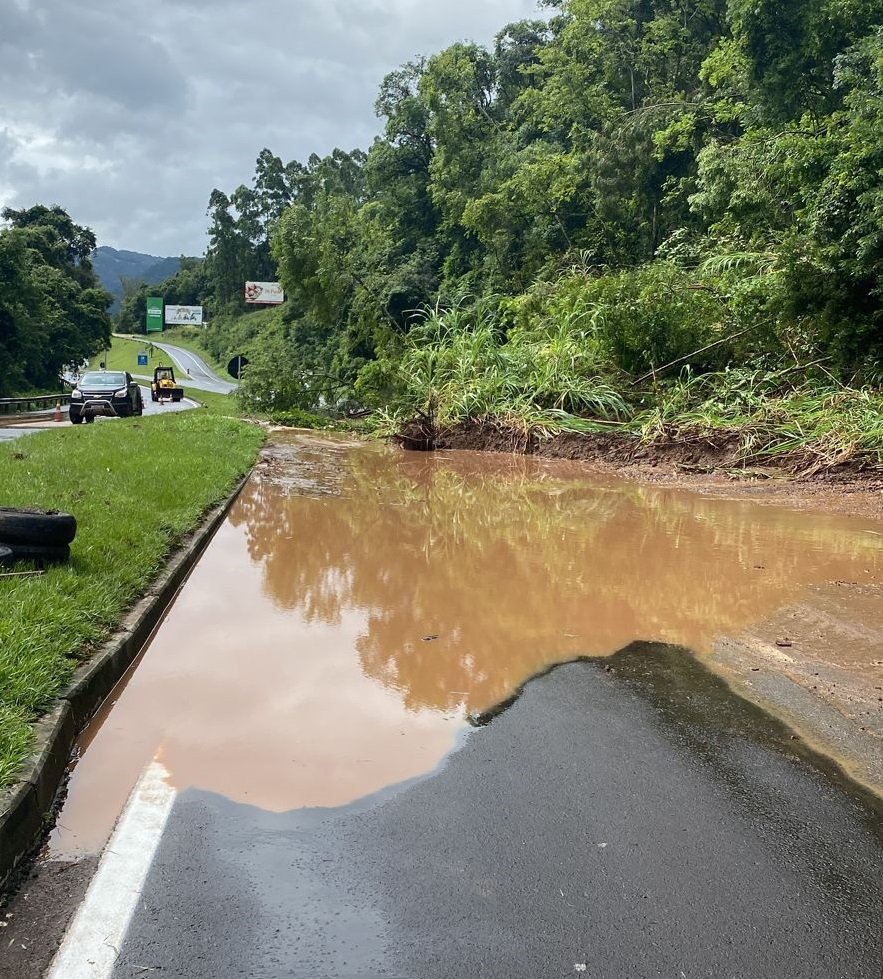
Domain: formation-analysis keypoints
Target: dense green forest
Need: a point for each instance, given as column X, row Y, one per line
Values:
column 634, row 211
column 53, row 312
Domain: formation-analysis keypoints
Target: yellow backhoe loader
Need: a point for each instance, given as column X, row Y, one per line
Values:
column 164, row 387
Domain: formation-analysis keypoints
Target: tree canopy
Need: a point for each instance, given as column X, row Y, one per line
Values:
column 719, row 158
column 53, row 313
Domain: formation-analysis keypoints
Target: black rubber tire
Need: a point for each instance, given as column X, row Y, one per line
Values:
column 6, row 557
column 77, row 419
column 90, row 419
column 36, row 528
column 40, row 555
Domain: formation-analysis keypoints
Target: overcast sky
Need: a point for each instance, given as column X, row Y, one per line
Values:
column 128, row 112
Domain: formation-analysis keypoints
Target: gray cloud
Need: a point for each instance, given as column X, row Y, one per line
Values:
column 129, row 113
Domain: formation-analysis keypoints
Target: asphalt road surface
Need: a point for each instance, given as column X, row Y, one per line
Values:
column 622, row 819
column 194, row 371
column 8, row 434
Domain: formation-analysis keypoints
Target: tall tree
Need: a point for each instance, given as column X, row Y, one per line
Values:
column 53, row 312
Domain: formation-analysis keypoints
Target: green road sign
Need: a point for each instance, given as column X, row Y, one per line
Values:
column 154, row 314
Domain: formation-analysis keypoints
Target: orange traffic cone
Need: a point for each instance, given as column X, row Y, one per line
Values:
column 57, row 416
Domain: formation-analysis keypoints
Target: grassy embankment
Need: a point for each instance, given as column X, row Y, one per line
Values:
column 791, row 418
column 576, row 369
column 136, row 487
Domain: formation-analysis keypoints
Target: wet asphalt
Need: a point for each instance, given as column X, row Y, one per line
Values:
column 621, row 819
column 17, row 432
column 196, row 372
column 9, row 434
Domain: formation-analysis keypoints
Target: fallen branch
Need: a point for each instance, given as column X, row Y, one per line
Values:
column 701, row 350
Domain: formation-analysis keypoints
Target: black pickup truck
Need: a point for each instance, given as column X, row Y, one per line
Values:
column 112, row 393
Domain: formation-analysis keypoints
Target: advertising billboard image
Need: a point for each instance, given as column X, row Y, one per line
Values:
column 184, row 315
column 154, row 314
column 264, row 292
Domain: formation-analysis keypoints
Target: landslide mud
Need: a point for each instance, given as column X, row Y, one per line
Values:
column 361, row 601
column 683, row 452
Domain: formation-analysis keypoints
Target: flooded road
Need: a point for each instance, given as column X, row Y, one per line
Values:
column 360, row 602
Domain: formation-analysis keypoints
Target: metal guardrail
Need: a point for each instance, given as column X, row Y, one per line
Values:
column 32, row 404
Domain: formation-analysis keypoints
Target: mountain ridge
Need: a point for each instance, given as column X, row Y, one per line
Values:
column 113, row 265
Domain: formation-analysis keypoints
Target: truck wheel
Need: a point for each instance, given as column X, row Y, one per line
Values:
column 76, row 419
column 36, row 528
column 90, row 419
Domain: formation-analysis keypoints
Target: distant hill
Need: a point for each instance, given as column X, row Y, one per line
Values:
column 113, row 265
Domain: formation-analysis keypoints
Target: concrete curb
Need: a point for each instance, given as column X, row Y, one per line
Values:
column 25, row 807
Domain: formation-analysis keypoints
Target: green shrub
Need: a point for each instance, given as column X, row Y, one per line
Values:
column 298, row 418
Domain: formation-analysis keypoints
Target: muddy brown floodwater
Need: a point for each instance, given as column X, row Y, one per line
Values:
column 360, row 601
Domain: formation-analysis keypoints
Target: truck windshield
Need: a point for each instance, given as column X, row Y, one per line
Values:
column 103, row 379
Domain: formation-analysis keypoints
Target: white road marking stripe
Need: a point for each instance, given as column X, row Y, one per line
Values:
column 93, row 941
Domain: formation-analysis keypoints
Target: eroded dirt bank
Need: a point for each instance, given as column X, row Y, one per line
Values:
column 697, row 463
column 817, row 661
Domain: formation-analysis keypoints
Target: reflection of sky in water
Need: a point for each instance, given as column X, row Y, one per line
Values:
column 296, row 669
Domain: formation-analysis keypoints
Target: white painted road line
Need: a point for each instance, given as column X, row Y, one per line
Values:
column 92, row 943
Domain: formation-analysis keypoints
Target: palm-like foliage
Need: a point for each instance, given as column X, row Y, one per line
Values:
column 458, row 367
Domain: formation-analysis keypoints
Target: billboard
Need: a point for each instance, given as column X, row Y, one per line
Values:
column 187, row 315
column 154, row 314
column 264, row 292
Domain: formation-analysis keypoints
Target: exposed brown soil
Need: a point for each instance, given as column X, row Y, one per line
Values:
column 697, row 462
column 829, row 645
column 32, row 925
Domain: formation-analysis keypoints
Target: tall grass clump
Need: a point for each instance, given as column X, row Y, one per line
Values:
column 632, row 322
column 780, row 416
column 458, row 365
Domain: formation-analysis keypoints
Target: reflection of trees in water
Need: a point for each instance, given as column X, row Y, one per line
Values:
column 364, row 548
column 502, row 560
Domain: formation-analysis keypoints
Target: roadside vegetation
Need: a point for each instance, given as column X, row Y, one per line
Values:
column 563, row 379
column 652, row 217
column 136, row 487
column 53, row 312
column 218, row 404
column 658, row 218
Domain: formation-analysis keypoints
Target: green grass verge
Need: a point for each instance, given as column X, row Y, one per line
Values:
column 122, row 354
column 136, row 487
column 217, row 404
